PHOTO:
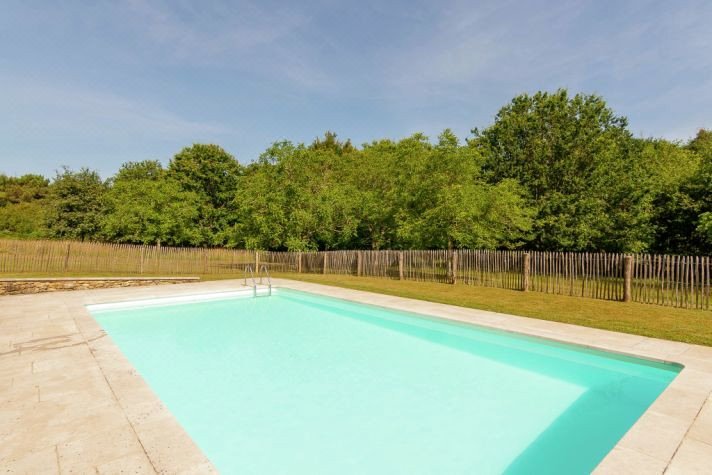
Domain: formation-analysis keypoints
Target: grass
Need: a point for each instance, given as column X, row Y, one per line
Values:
column 690, row 326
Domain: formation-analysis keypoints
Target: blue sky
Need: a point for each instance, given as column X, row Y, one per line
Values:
column 101, row 83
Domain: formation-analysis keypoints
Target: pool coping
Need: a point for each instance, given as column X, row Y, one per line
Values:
column 82, row 370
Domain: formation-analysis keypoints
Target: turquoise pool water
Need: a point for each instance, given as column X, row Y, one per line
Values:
column 298, row 383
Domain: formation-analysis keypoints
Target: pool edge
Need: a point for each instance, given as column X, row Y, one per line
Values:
column 674, row 435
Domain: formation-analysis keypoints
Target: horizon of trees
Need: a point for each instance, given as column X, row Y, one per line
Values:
column 552, row 172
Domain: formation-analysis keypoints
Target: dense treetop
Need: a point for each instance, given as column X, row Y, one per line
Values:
column 553, row 172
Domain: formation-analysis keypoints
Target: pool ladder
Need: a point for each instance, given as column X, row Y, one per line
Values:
column 248, row 269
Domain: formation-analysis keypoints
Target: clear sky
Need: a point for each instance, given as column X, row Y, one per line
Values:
column 101, row 83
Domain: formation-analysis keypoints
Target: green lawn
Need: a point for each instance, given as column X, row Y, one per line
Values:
column 691, row 326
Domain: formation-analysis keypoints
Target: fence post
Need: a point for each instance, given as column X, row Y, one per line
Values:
column 326, row 261
column 66, row 256
column 359, row 263
column 627, row 278
column 526, row 268
column 143, row 253
column 400, row 265
column 453, row 265
column 299, row 262
column 158, row 256
column 257, row 261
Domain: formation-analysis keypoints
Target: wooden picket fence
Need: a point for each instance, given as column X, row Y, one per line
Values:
column 593, row 275
column 73, row 257
column 677, row 281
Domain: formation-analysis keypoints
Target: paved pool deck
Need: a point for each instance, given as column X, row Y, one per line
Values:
column 70, row 402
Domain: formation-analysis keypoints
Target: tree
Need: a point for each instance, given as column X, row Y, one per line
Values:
column 144, row 206
column 704, row 227
column 401, row 194
column 295, row 198
column 75, row 204
column 670, row 168
column 331, row 143
column 24, row 219
column 699, row 189
column 22, row 205
column 572, row 156
column 260, row 203
column 553, row 172
column 23, row 189
column 213, row 175
column 457, row 208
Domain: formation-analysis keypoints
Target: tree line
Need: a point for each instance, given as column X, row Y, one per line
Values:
column 552, row 172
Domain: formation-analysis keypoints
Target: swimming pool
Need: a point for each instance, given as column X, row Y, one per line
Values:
column 299, row 383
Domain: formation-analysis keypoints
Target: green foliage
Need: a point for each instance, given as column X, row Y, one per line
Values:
column 213, row 175
column 22, row 205
column 684, row 202
column 24, row 219
column 144, row 206
column 297, row 198
column 23, row 189
column 699, row 189
column 75, row 207
column 573, row 156
column 704, row 226
column 553, row 172
column 329, row 195
column 669, row 168
column 454, row 207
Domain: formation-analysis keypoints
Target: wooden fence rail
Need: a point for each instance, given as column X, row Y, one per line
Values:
column 72, row 257
column 678, row 281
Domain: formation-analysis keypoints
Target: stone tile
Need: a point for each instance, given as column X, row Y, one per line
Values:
column 168, row 446
column 199, row 469
column 147, row 412
column 624, row 461
column 85, row 387
column 31, row 436
column 135, row 464
column 69, row 355
column 698, row 351
column 81, row 420
column 655, row 435
column 98, row 449
column 8, row 418
column 40, row 462
column 50, row 423
column 693, row 380
column 670, row 349
column 701, row 429
column 14, row 366
column 130, row 391
column 700, row 364
column 19, row 396
column 62, row 365
column 5, row 342
column 53, row 327
column 693, row 457
column 680, row 403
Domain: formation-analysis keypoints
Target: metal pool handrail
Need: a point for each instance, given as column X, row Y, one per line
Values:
column 252, row 276
column 269, row 280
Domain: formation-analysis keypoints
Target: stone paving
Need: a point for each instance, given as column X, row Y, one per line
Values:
column 70, row 402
